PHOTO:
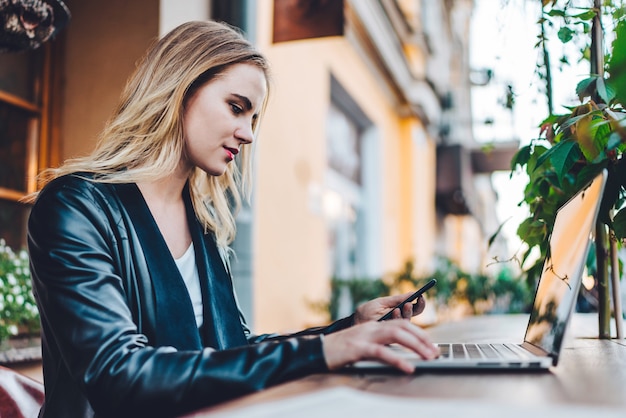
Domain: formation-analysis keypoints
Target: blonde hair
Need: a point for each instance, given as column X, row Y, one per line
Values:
column 143, row 140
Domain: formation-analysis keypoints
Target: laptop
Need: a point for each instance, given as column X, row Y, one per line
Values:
column 554, row 301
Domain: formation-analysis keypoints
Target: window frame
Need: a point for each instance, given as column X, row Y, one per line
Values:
column 42, row 148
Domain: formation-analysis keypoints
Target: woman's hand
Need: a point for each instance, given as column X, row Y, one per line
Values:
column 374, row 309
column 369, row 341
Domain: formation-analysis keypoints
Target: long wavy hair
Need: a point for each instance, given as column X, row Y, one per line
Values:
column 144, row 139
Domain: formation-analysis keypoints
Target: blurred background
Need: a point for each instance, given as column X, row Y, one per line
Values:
column 384, row 157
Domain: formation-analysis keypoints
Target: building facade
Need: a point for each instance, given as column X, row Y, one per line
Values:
column 355, row 153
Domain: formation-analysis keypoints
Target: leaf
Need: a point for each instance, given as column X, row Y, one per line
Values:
column 601, row 132
column 618, row 115
column 585, row 137
column 554, row 12
column 495, row 234
column 586, row 27
column 605, row 90
column 531, row 233
column 551, row 119
column 585, row 87
column 614, row 141
column 565, row 154
column 565, row 34
column 532, row 164
column 572, row 121
column 619, row 224
column 617, row 63
column 586, row 174
column 543, row 157
column 521, row 157
column 592, row 134
column 543, row 185
column 588, row 15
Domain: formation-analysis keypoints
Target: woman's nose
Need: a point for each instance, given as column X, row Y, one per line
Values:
column 245, row 134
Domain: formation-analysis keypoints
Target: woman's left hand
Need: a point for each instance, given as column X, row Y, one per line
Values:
column 374, row 309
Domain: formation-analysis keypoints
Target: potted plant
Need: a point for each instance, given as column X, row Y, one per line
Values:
column 18, row 311
column 576, row 145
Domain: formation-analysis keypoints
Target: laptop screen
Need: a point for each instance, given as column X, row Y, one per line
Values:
column 562, row 272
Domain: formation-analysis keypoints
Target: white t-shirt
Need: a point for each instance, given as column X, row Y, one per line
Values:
column 188, row 270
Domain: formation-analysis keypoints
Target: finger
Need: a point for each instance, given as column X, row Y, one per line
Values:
column 397, row 313
column 394, row 300
column 407, row 311
column 386, row 355
column 412, row 337
column 419, row 306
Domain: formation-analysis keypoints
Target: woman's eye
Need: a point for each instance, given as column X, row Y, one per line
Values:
column 236, row 109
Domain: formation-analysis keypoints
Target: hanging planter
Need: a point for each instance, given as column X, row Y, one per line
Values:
column 27, row 24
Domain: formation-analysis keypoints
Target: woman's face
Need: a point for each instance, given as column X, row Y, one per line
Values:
column 219, row 117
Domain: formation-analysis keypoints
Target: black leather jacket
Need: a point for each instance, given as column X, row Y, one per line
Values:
column 112, row 346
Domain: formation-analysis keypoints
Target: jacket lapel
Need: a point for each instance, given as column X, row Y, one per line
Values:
column 175, row 319
column 222, row 325
column 175, row 322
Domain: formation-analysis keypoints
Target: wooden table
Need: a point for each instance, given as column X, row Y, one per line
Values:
column 590, row 373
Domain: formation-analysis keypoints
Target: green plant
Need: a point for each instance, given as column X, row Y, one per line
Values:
column 359, row 290
column 576, row 145
column 18, row 310
column 503, row 292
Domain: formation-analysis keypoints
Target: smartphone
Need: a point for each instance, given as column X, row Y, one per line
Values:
column 411, row 298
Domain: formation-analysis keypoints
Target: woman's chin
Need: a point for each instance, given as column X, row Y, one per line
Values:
column 214, row 171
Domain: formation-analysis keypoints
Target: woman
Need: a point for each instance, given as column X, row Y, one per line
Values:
column 127, row 248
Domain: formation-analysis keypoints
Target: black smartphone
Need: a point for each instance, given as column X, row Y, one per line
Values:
column 411, row 298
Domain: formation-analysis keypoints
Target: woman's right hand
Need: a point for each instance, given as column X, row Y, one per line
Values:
column 368, row 341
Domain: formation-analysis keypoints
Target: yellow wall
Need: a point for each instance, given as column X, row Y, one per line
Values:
column 104, row 40
column 290, row 242
column 291, row 265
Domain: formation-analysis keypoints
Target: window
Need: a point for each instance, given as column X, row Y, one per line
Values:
column 24, row 93
column 351, row 197
column 343, row 195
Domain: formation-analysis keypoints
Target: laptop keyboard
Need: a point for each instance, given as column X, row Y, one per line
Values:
column 478, row 351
